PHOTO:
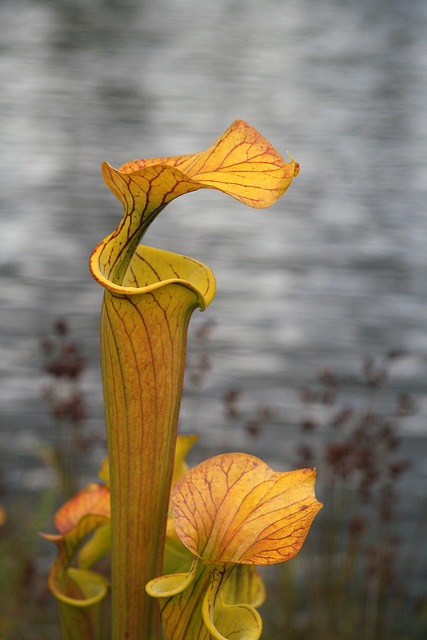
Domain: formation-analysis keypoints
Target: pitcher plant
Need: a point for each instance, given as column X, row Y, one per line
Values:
column 226, row 515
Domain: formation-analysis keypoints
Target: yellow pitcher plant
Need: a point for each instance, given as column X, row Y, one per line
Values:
column 148, row 301
column 232, row 512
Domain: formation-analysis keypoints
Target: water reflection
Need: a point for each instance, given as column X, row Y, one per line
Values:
column 333, row 271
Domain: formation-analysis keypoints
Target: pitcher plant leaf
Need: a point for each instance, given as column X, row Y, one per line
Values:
column 93, row 499
column 79, row 592
column 234, row 508
column 241, row 163
column 149, row 298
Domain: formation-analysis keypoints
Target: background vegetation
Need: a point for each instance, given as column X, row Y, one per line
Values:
column 360, row 574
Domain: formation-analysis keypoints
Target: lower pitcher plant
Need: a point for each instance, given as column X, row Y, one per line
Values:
column 183, row 542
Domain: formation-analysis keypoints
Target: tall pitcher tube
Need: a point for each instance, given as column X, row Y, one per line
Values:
column 144, row 325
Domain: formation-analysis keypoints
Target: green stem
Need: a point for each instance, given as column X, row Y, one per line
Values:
column 143, row 359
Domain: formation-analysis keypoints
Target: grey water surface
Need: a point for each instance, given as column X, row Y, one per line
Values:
column 335, row 271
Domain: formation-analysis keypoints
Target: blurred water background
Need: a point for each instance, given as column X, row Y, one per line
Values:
column 333, row 272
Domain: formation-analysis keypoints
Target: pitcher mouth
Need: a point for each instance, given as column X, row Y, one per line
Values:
column 152, row 268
